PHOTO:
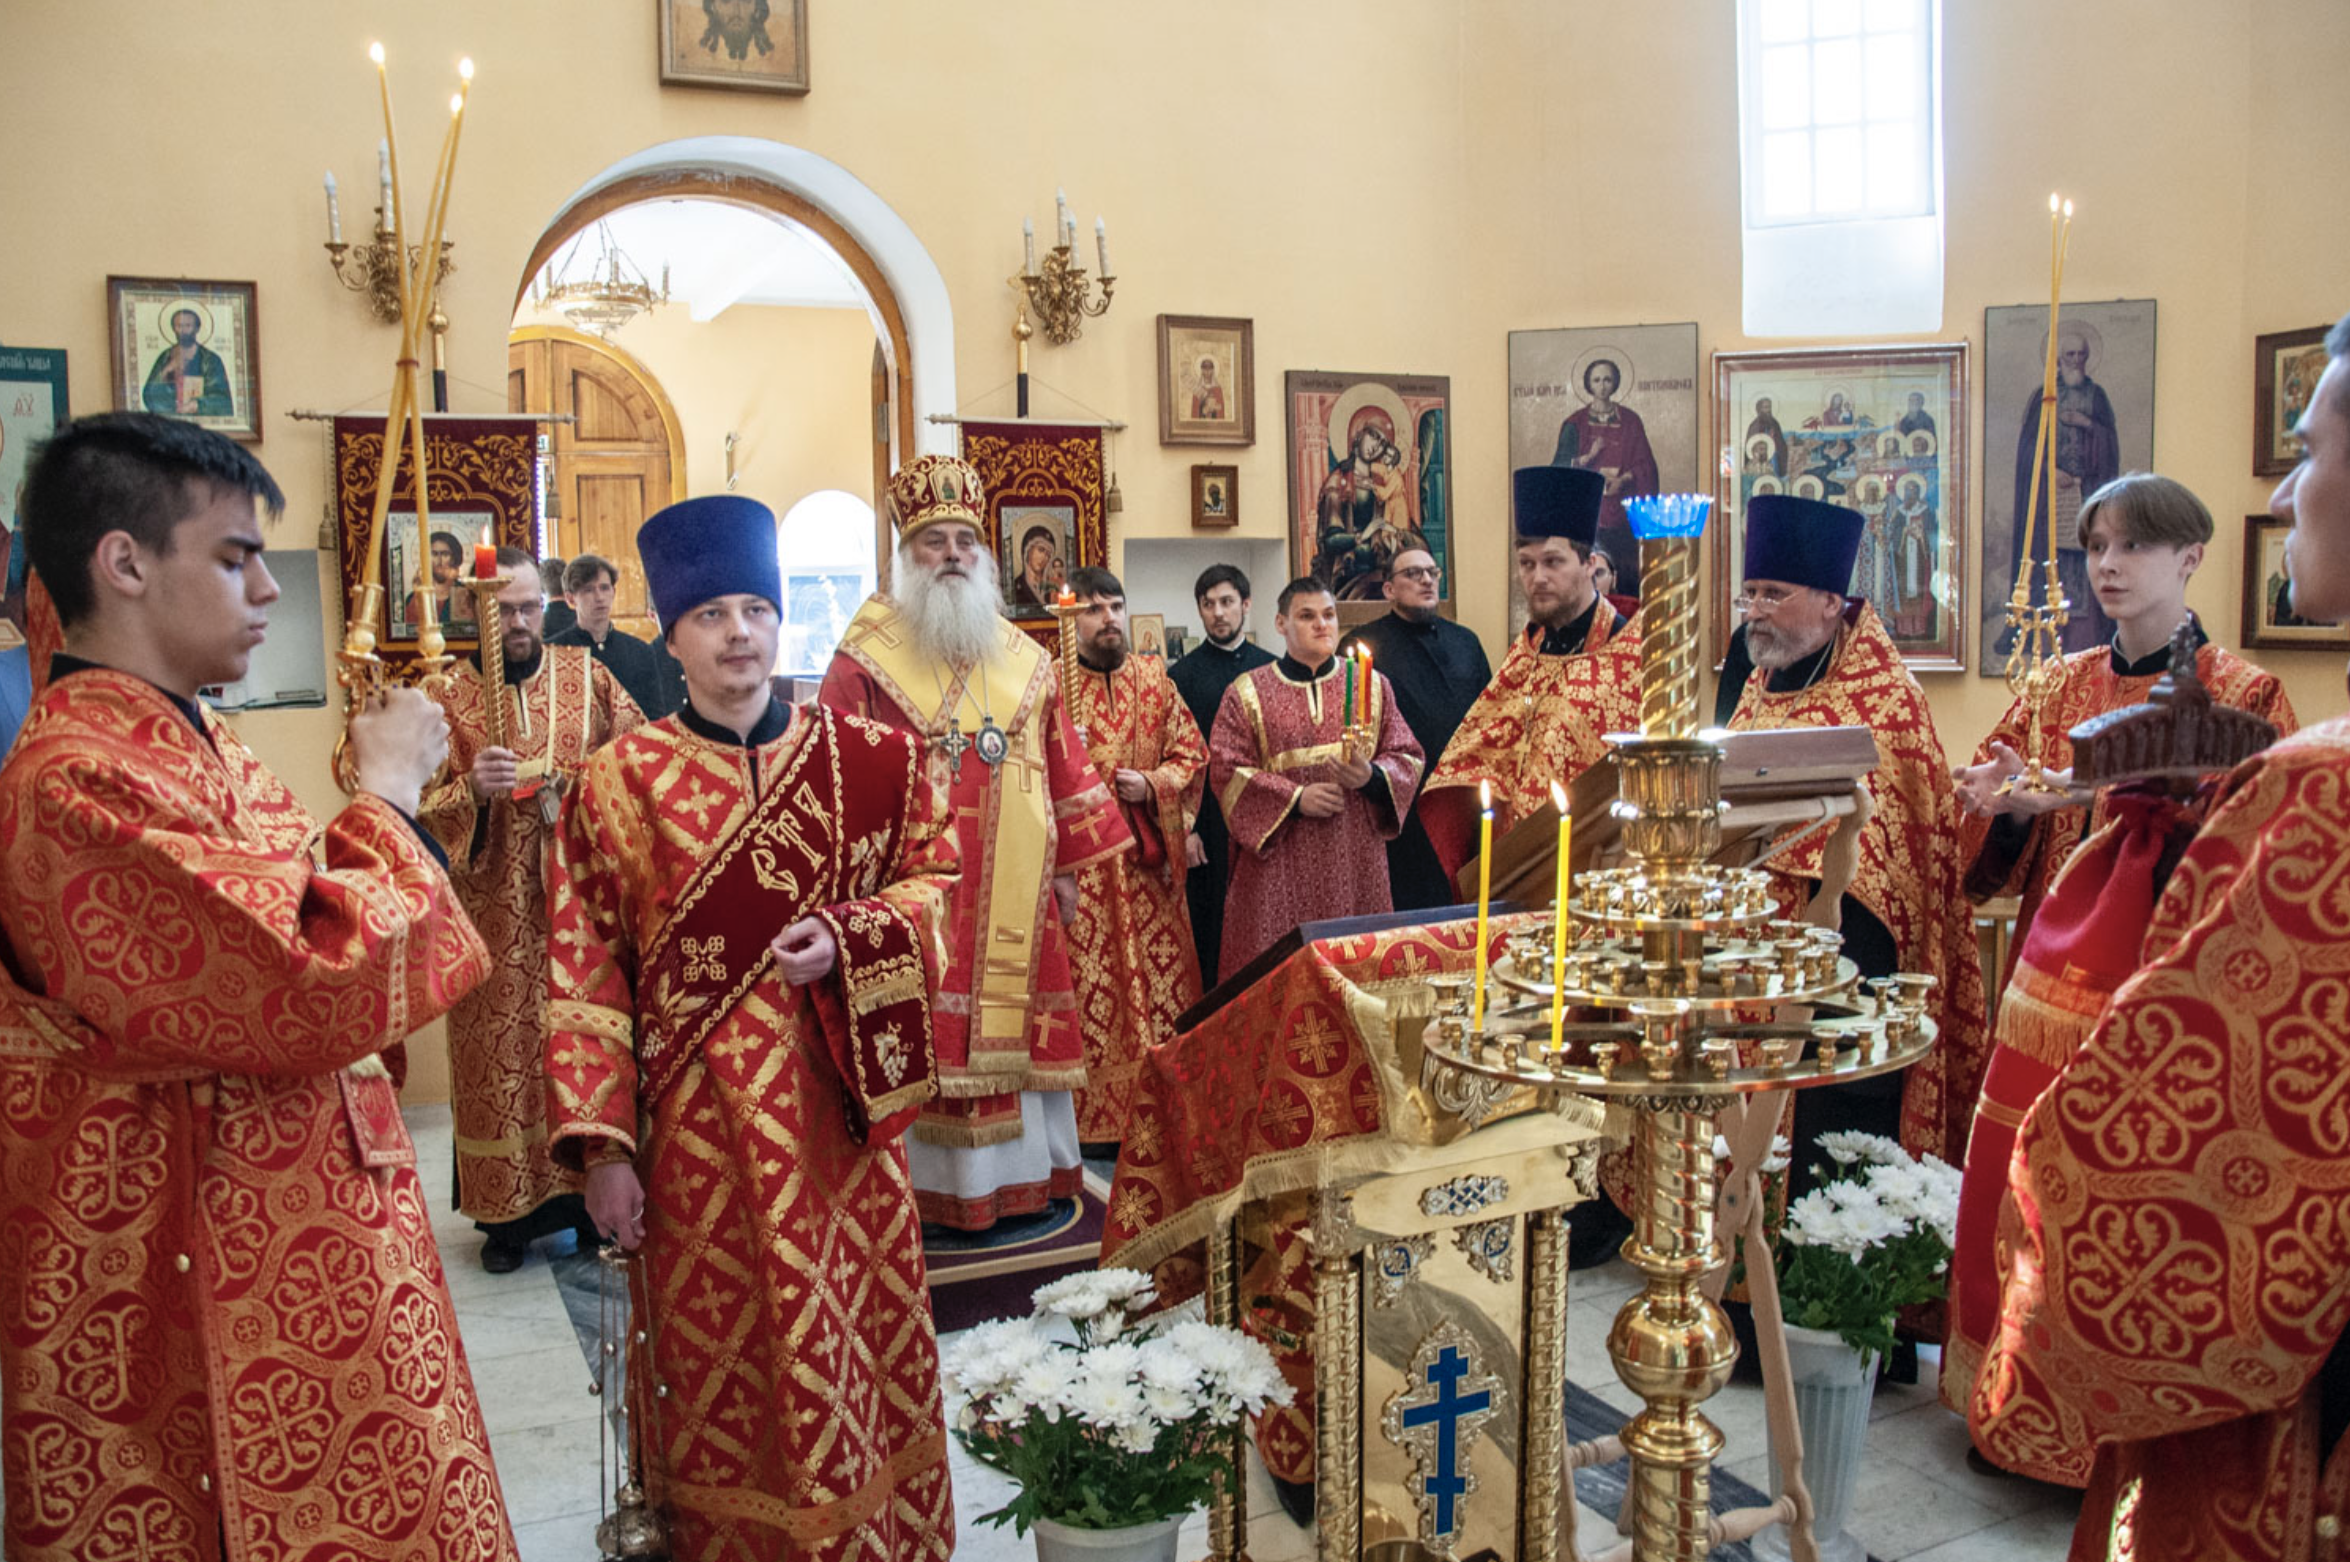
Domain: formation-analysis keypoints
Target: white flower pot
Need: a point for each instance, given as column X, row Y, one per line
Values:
column 1135, row 1543
column 1833, row 1386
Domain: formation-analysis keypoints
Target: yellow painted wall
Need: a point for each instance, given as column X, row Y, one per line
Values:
column 793, row 384
column 1380, row 184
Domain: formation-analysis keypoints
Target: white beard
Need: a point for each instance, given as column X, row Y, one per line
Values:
column 952, row 619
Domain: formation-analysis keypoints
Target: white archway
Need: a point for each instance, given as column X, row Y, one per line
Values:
column 912, row 276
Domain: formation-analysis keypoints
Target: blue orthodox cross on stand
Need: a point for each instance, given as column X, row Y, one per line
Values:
column 1451, row 1413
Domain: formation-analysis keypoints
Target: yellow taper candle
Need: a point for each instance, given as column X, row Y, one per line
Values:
column 1484, row 893
column 1558, row 931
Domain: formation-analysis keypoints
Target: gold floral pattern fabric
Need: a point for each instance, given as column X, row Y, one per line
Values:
column 1909, row 867
column 2173, row 1253
column 499, row 855
column 224, row 1315
column 1541, row 719
column 1131, row 952
column 788, row 1314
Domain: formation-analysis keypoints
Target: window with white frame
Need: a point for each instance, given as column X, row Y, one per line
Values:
column 827, row 549
column 1841, row 164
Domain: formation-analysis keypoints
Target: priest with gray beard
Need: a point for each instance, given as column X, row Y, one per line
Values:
column 938, row 659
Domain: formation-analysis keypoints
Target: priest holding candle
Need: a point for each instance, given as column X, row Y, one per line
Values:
column 1312, row 786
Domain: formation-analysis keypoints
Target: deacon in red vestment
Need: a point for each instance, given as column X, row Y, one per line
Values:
column 2175, row 1264
column 747, row 902
column 227, row 1332
column 1131, row 943
column 939, row 660
column 1822, row 659
column 1312, row 790
column 1571, row 679
column 494, row 813
column 2143, row 536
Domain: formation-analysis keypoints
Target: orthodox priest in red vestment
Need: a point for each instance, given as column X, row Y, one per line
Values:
column 1572, row 678
column 2142, row 536
column 1822, row 659
column 939, row 660
column 747, row 911
column 228, row 1334
column 1131, row 951
column 494, row 814
column 1312, row 788
column 2174, row 1262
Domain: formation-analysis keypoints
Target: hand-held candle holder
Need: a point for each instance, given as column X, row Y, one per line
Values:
column 492, row 639
column 2035, row 661
column 1682, row 956
column 1065, row 608
column 360, row 670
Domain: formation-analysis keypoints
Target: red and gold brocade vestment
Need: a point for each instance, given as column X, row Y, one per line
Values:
column 225, row 1315
column 1005, row 1014
column 499, row 852
column 782, row 1254
column 2048, row 1004
column 1908, row 876
column 1131, row 948
column 2174, row 1258
column 1275, row 735
column 1542, row 719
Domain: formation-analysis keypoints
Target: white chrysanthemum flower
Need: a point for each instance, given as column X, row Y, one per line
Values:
column 1781, row 1154
column 1849, row 1149
column 1074, row 1296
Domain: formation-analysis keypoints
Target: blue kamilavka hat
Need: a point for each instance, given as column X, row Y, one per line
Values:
column 1557, row 501
column 1802, row 542
column 713, row 546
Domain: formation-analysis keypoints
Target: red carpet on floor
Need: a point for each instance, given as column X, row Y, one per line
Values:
column 971, row 1285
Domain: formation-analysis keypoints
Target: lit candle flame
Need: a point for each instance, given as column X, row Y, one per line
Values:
column 375, row 52
column 465, row 68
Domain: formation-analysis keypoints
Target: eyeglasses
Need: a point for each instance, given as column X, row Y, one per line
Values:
column 1419, row 572
column 519, row 612
column 1768, row 598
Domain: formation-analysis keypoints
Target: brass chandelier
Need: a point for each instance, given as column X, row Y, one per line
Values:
column 612, row 291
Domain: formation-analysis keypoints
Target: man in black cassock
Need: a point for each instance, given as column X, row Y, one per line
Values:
column 1201, row 677
column 1438, row 670
column 648, row 672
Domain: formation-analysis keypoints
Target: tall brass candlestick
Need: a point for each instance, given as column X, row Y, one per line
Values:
column 491, row 633
column 361, row 670
column 2035, row 662
column 1065, row 609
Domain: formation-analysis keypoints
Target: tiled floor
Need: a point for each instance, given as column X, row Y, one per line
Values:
column 1917, row 1500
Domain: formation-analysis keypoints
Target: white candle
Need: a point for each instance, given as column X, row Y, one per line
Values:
column 334, row 211
column 383, row 177
column 1101, row 243
column 1061, row 220
column 1027, row 247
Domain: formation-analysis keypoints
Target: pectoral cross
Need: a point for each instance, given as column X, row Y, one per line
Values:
column 956, row 745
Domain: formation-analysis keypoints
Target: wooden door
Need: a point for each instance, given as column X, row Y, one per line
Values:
column 614, row 463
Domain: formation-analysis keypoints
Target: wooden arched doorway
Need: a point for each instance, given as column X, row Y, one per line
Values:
column 893, row 404
column 614, row 455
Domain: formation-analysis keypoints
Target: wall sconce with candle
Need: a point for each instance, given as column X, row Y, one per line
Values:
column 373, row 268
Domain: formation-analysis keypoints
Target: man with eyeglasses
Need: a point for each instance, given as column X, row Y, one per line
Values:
column 1821, row 658
column 494, row 813
column 1437, row 669
column 1570, row 679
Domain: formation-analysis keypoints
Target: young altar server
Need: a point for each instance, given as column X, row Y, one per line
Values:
column 1311, row 808
column 227, row 1328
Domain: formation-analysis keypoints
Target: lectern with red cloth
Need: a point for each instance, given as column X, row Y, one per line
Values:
column 1399, row 1244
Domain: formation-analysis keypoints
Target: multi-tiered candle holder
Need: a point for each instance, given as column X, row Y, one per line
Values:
column 1688, row 991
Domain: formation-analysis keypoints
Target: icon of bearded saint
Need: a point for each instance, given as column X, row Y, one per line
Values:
column 739, row 24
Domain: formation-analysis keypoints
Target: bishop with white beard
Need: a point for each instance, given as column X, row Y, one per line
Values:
column 938, row 658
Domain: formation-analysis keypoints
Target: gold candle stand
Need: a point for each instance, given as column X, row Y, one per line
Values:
column 1683, row 958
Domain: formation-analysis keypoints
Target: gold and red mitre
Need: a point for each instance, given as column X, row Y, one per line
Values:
column 930, row 489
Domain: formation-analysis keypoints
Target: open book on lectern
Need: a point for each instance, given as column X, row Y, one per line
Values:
column 1770, row 780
